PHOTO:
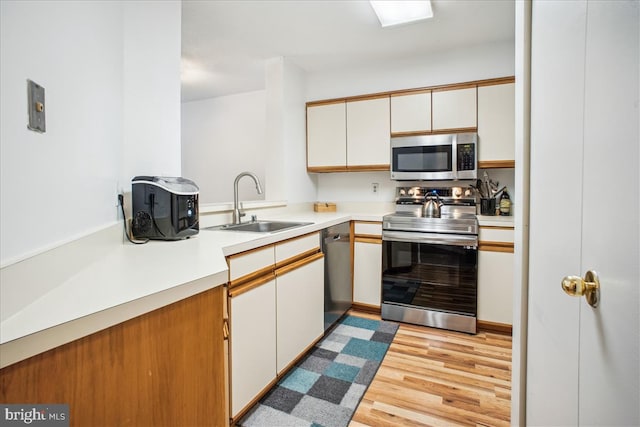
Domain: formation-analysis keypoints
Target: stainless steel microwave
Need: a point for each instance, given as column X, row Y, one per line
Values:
column 434, row 157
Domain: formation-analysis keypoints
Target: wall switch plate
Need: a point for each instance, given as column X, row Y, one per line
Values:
column 35, row 101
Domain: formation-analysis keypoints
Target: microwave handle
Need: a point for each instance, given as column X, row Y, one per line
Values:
column 430, row 238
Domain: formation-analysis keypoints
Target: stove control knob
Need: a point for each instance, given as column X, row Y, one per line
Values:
column 467, row 193
column 457, row 192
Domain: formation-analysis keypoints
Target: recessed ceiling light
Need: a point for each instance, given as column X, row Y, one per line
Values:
column 400, row 12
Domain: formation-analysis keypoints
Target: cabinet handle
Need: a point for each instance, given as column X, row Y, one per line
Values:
column 225, row 329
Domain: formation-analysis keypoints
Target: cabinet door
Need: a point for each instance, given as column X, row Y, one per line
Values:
column 411, row 113
column 495, row 275
column 253, row 343
column 367, row 273
column 300, row 309
column 495, row 286
column 454, row 109
column 496, row 122
column 368, row 132
column 327, row 136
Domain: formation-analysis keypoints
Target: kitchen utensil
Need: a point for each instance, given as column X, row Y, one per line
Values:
column 431, row 207
column 496, row 192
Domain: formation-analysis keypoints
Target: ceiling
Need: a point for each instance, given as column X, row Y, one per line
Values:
column 225, row 43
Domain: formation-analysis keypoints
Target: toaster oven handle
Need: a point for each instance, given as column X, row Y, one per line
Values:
column 430, row 238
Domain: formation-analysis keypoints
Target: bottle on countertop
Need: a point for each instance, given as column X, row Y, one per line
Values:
column 505, row 204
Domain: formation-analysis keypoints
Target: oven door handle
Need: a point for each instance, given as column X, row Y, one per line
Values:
column 431, row 238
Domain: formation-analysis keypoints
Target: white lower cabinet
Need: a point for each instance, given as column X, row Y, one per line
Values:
column 300, row 310
column 253, row 343
column 276, row 312
column 367, row 272
column 495, row 287
column 495, row 275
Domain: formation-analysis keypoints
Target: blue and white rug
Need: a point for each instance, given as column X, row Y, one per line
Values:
column 325, row 388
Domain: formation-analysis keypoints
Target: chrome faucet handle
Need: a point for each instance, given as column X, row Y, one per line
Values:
column 254, row 218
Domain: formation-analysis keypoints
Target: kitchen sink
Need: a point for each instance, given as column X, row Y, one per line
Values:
column 259, row 226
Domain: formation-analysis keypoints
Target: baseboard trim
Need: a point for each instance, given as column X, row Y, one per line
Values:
column 373, row 309
column 503, row 328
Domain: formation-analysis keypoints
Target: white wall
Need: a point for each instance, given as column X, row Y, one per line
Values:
column 222, row 137
column 296, row 185
column 263, row 132
column 62, row 184
column 152, row 50
column 454, row 66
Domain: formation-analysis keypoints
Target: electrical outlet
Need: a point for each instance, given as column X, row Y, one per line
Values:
column 374, row 187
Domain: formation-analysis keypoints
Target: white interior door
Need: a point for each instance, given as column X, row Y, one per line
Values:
column 583, row 363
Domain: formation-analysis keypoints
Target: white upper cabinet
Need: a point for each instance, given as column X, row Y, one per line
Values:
column 411, row 113
column 327, row 136
column 454, row 109
column 496, row 123
column 368, row 132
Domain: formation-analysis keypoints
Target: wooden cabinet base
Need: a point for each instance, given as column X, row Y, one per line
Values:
column 165, row 368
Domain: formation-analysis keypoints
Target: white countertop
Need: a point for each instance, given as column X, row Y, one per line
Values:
column 127, row 280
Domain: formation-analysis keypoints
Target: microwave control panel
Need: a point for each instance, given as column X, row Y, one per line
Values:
column 466, row 157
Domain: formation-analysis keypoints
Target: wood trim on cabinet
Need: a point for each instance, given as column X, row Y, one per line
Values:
column 326, row 102
column 367, row 308
column 316, row 255
column 156, row 369
column 364, row 238
column 325, row 169
column 368, row 97
column 497, row 81
column 368, row 168
column 502, row 328
column 506, row 247
column 240, row 254
column 410, row 92
column 410, row 133
column 251, row 276
column 456, row 86
column 497, row 227
column 496, row 164
column 452, row 86
column 295, row 259
column 235, row 290
column 456, row 130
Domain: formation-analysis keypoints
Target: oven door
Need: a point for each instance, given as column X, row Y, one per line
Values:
column 433, row 272
column 430, row 157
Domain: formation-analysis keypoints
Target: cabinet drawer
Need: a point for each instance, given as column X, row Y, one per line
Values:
column 296, row 248
column 368, row 228
column 251, row 264
column 496, row 234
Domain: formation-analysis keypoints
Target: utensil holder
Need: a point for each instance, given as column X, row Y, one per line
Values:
column 487, row 206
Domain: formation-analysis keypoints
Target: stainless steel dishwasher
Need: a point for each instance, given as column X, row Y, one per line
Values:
column 336, row 246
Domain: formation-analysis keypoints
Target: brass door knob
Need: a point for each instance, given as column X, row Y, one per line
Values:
column 589, row 287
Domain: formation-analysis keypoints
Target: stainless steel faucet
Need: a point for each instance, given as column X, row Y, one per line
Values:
column 236, row 210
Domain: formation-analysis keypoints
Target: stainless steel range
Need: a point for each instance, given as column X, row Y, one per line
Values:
column 430, row 265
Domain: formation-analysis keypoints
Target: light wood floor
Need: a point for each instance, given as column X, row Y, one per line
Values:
column 433, row 377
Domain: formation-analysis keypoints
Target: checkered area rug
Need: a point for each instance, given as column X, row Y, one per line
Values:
column 325, row 388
